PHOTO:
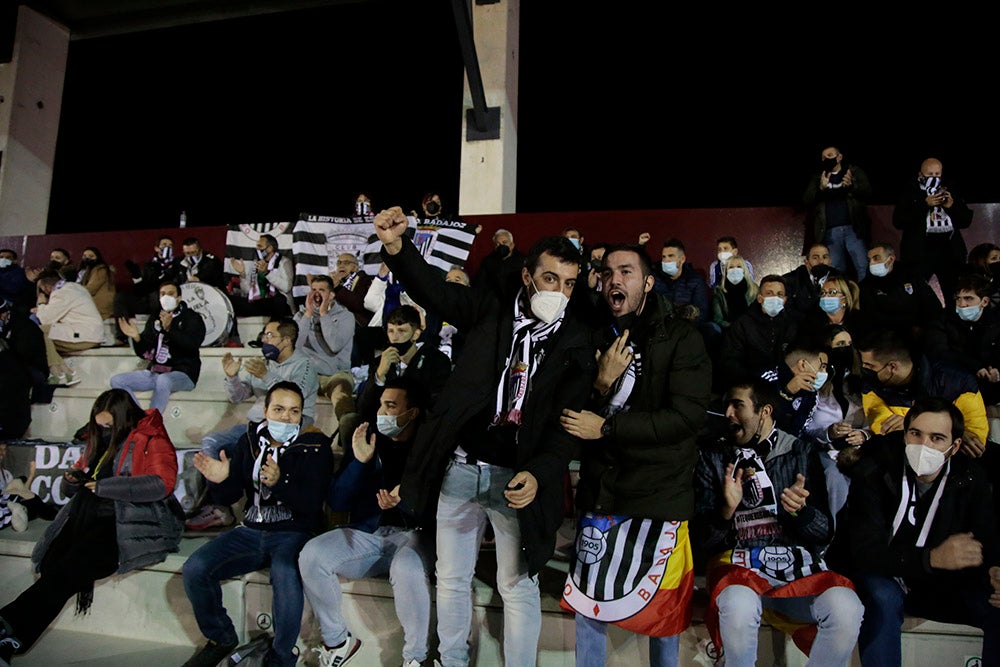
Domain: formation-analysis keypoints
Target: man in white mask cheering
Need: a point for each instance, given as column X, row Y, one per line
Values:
column 171, row 343
column 492, row 443
column 922, row 534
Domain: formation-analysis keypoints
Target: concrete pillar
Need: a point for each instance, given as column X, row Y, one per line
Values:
column 489, row 168
column 31, row 86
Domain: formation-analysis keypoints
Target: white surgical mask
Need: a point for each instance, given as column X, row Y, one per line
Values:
column 670, row 268
column 5, row 262
column 548, row 306
column 879, row 270
column 168, row 303
column 735, row 276
column 924, row 460
column 773, row 305
column 725, row 256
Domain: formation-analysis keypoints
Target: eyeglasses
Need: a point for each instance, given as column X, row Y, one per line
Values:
column 270, row 335
column 830, row 292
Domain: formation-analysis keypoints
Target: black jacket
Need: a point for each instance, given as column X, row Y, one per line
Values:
column 184, row 339
column 910, row 216
column 688, row 288
column 755, row 343
column 855, row 197
column 966, row 506
column 899, row 302
column 543, row 448
column 306, row 468
column 430, row 367
column 802, row 292
column 644, row 467
column 210, row 270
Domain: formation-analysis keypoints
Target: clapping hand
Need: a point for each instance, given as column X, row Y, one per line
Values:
column 215, row 471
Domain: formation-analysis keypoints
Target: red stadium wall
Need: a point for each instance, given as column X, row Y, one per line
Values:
column 771, row 238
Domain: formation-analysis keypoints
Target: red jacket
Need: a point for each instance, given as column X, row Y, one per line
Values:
column 152, row 451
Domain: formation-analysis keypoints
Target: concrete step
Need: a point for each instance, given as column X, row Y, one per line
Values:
column 188, row 417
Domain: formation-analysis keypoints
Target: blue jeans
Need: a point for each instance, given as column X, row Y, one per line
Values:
column 885, row 601
column 843, row 242
column 837, row 611
column 161, row 384
column 591, row 645
column 470, row 496
column 218, row 441
column 237, row 552
column 355, row 554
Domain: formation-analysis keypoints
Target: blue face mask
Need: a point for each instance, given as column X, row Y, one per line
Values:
column 282, row 432
column 820, row 380
column 271, row 352
column 879, row 270
column 773, row 305
column 829, row 304
column 968, row 313
column 575, row 242
column 670, row 268
column 5, row 262
column 735, row 276
column 388, row 426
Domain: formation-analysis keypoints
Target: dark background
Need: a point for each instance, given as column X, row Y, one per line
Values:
column 260, row 118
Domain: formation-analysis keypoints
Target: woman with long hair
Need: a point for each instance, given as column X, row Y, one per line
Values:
column 121, row 487
column 99, row 279
column 734, row 293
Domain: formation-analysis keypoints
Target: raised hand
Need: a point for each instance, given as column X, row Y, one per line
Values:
column 612, row 363
column 793, row 498
column 364, row 449
column 732, row 490
column 390, row 225
column 214, row 471
column 231, row 365
column 128, row 328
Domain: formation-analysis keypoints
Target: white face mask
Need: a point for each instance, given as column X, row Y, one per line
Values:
column 879, row 270
column 924, row 460
column 168, row 303
column 725, row 256
column 735, row 276
column 388, row 425
column 5, row 262
column 548, row 306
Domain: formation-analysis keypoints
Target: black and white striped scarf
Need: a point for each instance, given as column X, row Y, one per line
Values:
column 265, row 508
column 938, row 220
column 526, row 355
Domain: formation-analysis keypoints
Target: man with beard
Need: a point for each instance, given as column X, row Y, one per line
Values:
column 493, row 435
column 649, row 402
column 763, row 522
column 922, row 534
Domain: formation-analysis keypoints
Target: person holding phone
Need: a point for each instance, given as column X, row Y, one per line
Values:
column 123, row 482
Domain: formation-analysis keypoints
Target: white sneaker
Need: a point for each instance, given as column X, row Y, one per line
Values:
column 337, row 657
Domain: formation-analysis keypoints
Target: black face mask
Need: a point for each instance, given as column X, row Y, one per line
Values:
column 55, row 266
column 820, row 271
column 104, row 432
column 829, row 164
column 403, row 348
column 870, row 376
column 994, row 268
column 502, row 251
column 842, row 359
column 432, row 208
column 88, row 263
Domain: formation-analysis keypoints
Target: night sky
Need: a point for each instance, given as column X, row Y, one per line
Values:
column 260, row 118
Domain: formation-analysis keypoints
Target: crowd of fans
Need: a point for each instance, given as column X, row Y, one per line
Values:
column 821, row 445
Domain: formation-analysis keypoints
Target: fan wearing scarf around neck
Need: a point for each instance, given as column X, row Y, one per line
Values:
column 635, row 495
column 171, row 343
column 265, row 284
column 491, row 449
column 763, row 523
column 922, row 533
column 284, row 472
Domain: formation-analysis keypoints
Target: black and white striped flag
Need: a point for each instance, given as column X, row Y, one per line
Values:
column 241, row 240
column 318, row 239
